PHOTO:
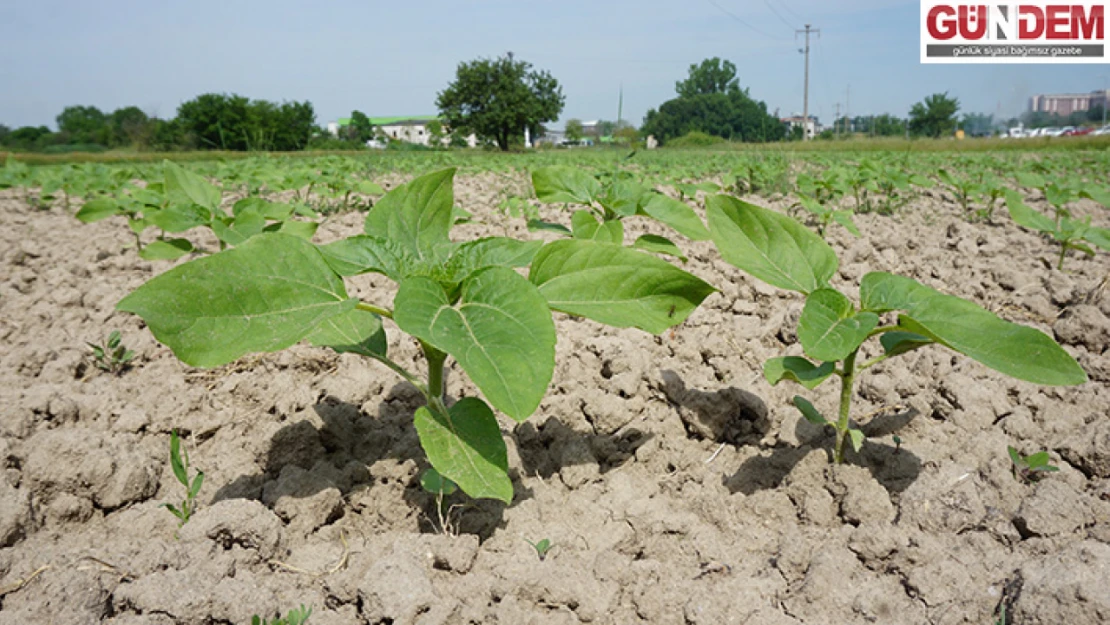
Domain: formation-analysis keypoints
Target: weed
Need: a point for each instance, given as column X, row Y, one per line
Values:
column 179, row 462
column 296, row 616
column 112, row 356
column 1032, row 467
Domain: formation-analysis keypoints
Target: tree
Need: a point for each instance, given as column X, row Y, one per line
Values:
column 129, row 126
column 84, row 124
column 574, row 130
column 710, row 100
column 710, row 76
column 935, row 116
column 497, row 99
column 4, row 133
column 360, row 129
column 436, row 133
column 29, row 137
column 887, row 125
column 977, row 124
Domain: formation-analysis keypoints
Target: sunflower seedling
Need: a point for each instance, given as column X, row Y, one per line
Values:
column 542, row 547
column 296, row 616
column 832, row 329
column 179, row 462
column 112, row 356
column 1032, row 467
column 464, row 300
column 1069, row 233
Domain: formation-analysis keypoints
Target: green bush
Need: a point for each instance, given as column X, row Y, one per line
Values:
column 695, row 139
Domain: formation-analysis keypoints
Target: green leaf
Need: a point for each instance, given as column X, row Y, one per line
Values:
column 434, row 483
column 537, row 225
column 357, row 331
column 1016, row 350
column 844, row 218
column 616, row 285
column 464, row 444
column 95, row 210
column 797, row 369
column 500, row 331
column 370, row 188
column 170, row 249
column 1025, row 216
column 675, row 214
column 1038, row 460
column 586, row 227
column 490, row 252
column 857, row 438
column 809, row 411
column 198, row 481
column 622, row 197
column 830, row 329
column 1015, row 457
column 416, row 216
column 659, row 245
column 175, row 459
column 300, row 229
column 185, row 187
column 1098, row 236
column 1102, row 196
column 565, row 184
column 363, row 254
column 896, row 343
column 269, row 210
column 262, row 296
column 769, row 245
column 179, row 217
column 235, row 231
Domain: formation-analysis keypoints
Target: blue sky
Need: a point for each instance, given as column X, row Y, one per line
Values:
column 392, row 58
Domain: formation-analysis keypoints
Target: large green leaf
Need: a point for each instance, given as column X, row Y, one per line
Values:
column 169, row 249
column 464, row 444
column 417, row 215
column 95, row 210
column 616, row 285
column 659, row 245
column 236, row 230
column 1016, row 350
column 267, row 209
column 586, row 227
column 179, row 217
column 896, row 343
column 363, row 254
column 262, row 296
column 1098, row 236
column 500, row 331
column 769, row 245
column 797, row 369
column 830, row 329
column 356, row 331
column 565, row 184
column 1025, row 216
column 675, row 214
column 490, row 252
column 184, row 187
column 623, row 197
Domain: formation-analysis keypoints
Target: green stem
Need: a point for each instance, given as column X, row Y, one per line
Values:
column 871, row 363
column 401, row 371
column 846, row 380
column 1063, row 252
column 883, row 330
column 377, row 310
column 435, row 360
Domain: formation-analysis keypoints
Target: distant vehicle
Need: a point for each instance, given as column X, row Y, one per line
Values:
column 1105, row 130
column 1078, row 132
column 1056, row 132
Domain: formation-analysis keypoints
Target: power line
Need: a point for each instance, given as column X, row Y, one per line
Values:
column 796, row 16
column 738, row 19
column 779, row 15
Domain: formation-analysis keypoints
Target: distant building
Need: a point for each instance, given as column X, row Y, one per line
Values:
column 796, row 121
column 407, row 128
column 1065, row 104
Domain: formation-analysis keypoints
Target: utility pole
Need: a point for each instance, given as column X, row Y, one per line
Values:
column 848, row 112
column 836, row 120
column 805, row 96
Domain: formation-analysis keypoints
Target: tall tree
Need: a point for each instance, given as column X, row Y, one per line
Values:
column 709, row 76
column 497, row 99
column 574, row 130
column 935, row 116
column 129, row 126
column 361, row 129
column 84, row 124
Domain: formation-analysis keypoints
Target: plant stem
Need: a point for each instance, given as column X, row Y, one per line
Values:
column 846, row 380
column 435, row 360
column 377, row 310
column 1063, row 252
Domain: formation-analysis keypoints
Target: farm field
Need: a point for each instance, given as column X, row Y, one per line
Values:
column 673, row 482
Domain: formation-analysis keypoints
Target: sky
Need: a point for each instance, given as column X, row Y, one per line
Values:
column 392, row 58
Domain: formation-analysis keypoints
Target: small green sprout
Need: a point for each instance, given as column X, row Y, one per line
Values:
column 296, row 616
column 179, row 461
column 432, row 482
column 542, row 547
column 112, row 356
column 1029, row 468
column 897, row 443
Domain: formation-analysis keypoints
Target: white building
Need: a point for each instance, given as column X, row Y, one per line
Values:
column 407, row 128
